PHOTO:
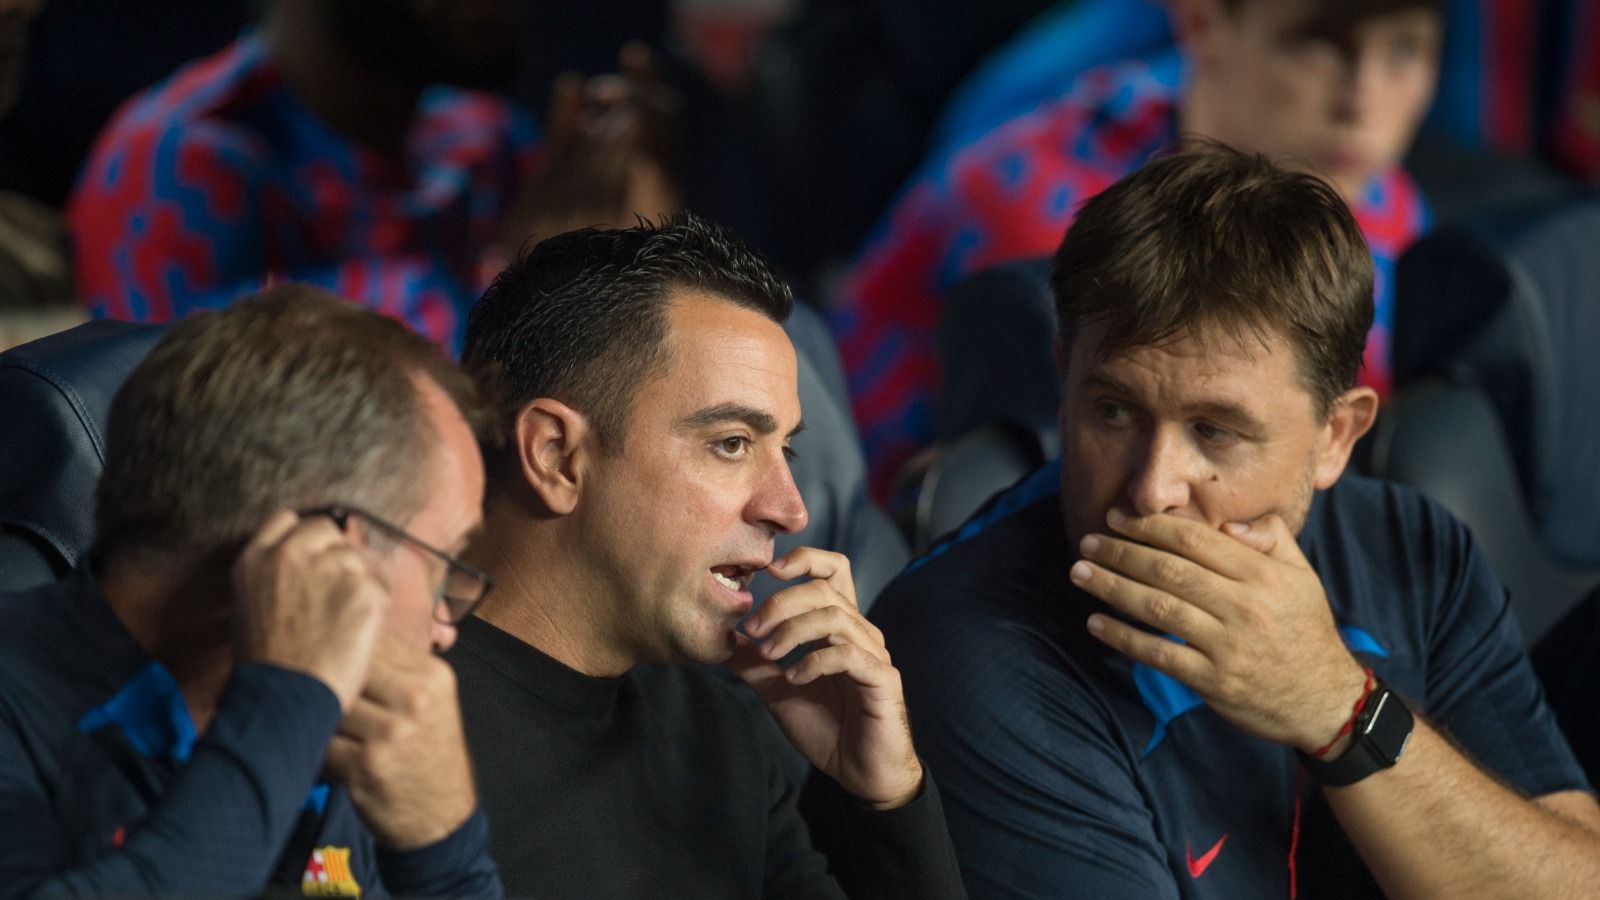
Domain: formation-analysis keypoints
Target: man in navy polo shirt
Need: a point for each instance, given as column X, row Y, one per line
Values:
column 1192, row 660
column 238, row 690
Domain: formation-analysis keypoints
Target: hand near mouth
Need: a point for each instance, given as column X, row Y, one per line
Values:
column 841, row 705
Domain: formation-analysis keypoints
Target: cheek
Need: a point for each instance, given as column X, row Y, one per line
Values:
column 1228, row 497
column 1096, row 462
column 411, row 602
column 1406, row 103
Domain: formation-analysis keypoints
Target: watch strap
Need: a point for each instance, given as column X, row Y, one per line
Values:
column 1378, row 739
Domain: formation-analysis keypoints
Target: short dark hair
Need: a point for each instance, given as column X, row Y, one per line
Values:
column 290, row 398
column 1210, row 237
column 582, row 317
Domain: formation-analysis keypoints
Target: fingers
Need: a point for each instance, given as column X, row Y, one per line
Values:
column 831, row 624
column 1164, row 611
column 283, row 528
column 1186, row 664
column 833, row 568
column 405, row 678
column 1189, row 539
column 850, row 660
column 344, row 758
column 1269, row 534
column 1163, row 571
column 272, row 531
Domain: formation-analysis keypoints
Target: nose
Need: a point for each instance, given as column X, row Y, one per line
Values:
column 777, row 504
column 1161, row 479
column 1359, row 85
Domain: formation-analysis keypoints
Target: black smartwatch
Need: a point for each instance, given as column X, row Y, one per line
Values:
column 1379, row 736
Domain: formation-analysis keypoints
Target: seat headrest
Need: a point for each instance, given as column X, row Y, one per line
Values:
column 55, row 396
column 1510, row 303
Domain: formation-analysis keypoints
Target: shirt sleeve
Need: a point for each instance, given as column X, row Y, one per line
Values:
column 1481, row 688
column 222, row 822
column 457, row 866
column 903, row 852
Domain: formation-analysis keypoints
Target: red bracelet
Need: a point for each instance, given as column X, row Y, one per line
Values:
column 1361, row 702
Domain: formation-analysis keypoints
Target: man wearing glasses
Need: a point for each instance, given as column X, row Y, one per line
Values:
column 239, row 690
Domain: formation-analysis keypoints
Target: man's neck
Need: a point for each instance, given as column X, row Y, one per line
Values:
column 545, row 596
column 183, row 622
column 369, row 107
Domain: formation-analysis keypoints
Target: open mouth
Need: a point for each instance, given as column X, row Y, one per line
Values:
column 733, row 577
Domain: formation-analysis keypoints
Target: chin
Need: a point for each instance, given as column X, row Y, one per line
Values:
column 709, row 650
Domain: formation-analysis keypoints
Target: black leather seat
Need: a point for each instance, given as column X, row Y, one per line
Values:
column 55, row 394
column 999, row 392
column 996, row 329
column 1510, row 304
column 1494, row 322
column 1447, row 440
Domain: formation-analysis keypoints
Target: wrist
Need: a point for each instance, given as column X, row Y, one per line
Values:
column 902, row 796
column 1335, row 733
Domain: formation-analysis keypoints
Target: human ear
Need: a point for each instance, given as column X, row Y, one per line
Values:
column 552, row 447
column 1351, row 417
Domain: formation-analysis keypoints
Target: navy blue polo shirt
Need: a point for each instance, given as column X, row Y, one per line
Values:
column 1068, row 770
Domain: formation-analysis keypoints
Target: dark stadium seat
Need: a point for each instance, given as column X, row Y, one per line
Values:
column 55, row 394
column 1494, row 324
column 1447, row 441
column 1510, row 304
column 996, row 411
column 995, row 333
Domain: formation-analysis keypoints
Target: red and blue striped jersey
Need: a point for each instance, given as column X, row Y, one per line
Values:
column 219, row 181
column 1011, row 195
column 1576, row 130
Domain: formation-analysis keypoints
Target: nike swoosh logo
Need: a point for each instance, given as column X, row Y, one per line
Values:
column 1197, row 867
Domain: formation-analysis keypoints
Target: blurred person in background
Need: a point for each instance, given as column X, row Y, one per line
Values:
column 1334, row 88
column 352, row 144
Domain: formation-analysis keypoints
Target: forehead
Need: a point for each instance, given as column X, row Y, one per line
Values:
column 1258, row 374
column 723, row 353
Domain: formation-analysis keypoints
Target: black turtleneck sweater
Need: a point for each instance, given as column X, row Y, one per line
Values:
column 668, row 781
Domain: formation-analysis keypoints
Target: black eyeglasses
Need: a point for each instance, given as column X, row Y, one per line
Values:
column 464, row 585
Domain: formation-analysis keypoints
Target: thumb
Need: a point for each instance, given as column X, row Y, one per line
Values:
column 748, row 665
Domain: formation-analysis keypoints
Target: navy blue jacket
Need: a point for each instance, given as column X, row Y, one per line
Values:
column 106, row 789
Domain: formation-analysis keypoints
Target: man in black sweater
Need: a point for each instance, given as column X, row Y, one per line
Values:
column 652, row 399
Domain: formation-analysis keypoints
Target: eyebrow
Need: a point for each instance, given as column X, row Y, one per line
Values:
column 759, row 421
column 1230, row 413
